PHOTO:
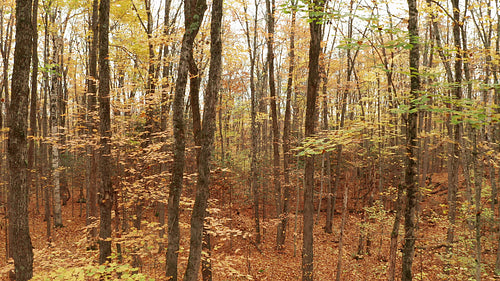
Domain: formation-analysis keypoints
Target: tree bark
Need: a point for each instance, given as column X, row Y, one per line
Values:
column 17, row 122
column 280, row 241
column 193, row 14
column 478, row 181
column 33, row 101
column 54, row 132
column 454, row 157
column 105, row 197
column 274, row 112
column 254, row 183
column 206, row 140
column 411, row 178
column 164, row 109
column 45, row 129
column 91, row 172
column 151, row 81
column 310, row 125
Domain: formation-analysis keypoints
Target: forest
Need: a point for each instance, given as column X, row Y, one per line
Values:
column 249, row 140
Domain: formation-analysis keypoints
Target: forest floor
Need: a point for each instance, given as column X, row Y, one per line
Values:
column 236, row 257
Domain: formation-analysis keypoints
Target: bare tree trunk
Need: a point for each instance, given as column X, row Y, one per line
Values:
column 478, row 181
column 45, row 130
column 497, row 135
column 5, row 47
column 151, row 81
column 91, row 171
column 105, row 198
column 206, row 141
column 193, row 13
column 17, row 122
column 33, row 102
column 274, row 112
column 164, row 111
column 254, row 184
column 310, row 125
column 327, row 165
column 54, row 134
column 280, row 241
column 411, row 145
column 454, row 158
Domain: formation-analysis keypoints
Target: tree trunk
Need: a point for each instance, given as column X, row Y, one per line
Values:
column 454, row 158
column 33, row 102
column 310, row 125
column 206, row 139
column 151, row 84
column 274, row 112
column 91, row 171
column 164, row 111
column 254, row 183
column 105, row 197
column 17, row 122
column 54, row 134
column 478, row 181
column 497, row 135
column 411, row 145
column 280, row 241
column 193, row 13
column 45, row 131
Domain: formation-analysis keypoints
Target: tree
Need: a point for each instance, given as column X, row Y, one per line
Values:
column 274, row 111
column 193, row 17
column 17, row 122
column 280, row 241
column 206, row 139
column 33, row 100
column 455, row 130
column 315, row 17
column 411, row 179
column 254, row 184
column 91, row 172
column 55, row 89
column 105, row 197
column 44, row 163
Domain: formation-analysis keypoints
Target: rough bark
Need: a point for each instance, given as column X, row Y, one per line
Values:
column 454, row 157
column 310, row 125
column 497, row 134
column 411, row 178
column 105, row 197
column 91, row 172
column 54, row 133
column 206, row 140
column 5, row 49
column 254, row 184
column 17, row 122
column 151, row 81
column 45, row 129
column 33, row 101
column 280, row 241
column 274, row 111
column 478, row 181
column 193, row 16
column 164, row 110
